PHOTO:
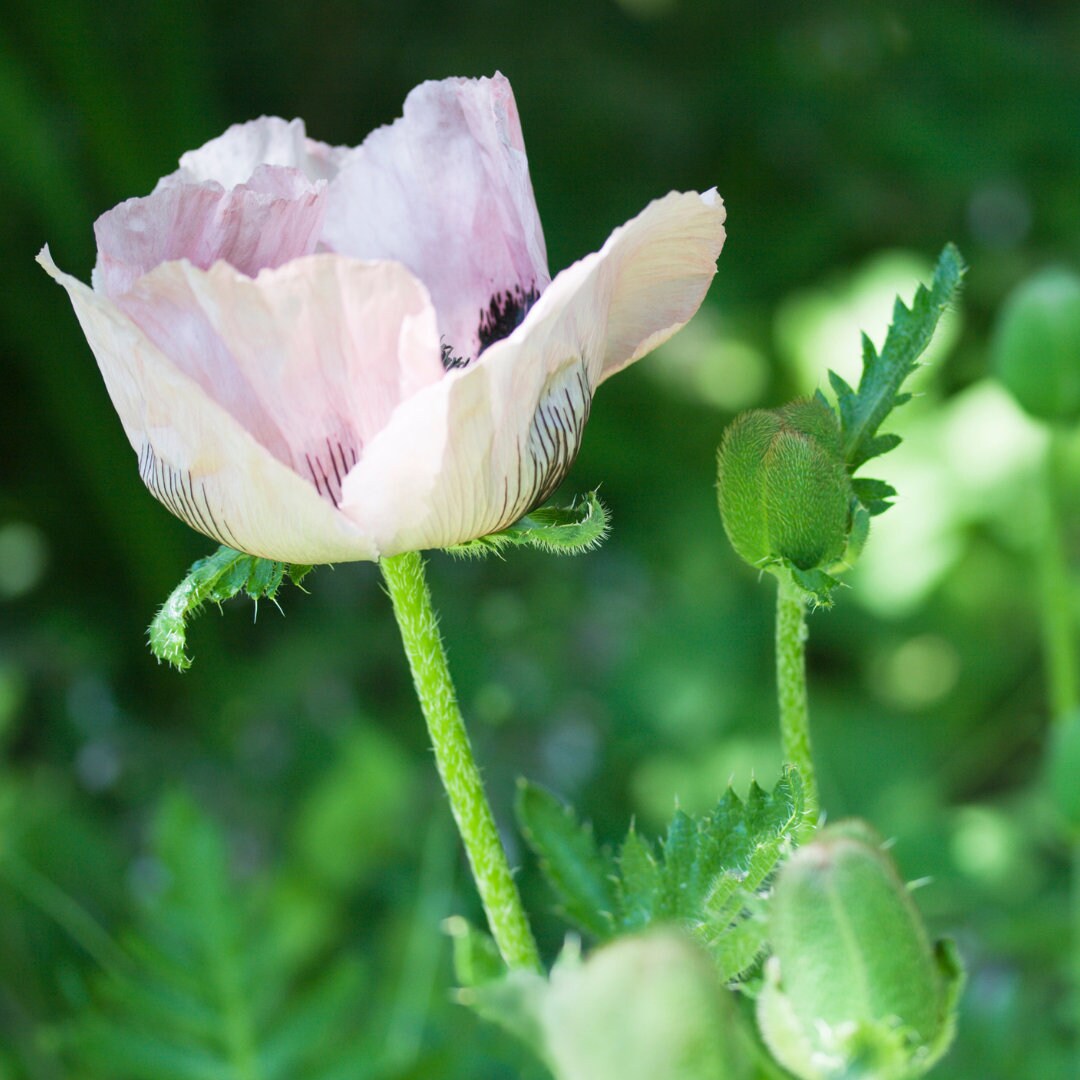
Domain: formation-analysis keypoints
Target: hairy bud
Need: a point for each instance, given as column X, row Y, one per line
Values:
column 854, row 987
column 783, row 489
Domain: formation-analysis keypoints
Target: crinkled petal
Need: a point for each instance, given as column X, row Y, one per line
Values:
column 275, row 217
column 233, row 157
column 446, row 190
column 473, row 453
column 196, row 459
column 312, row 358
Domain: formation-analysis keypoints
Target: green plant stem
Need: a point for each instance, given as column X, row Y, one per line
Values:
column 791, row 686
column 1060, row 656
column 1058, row 621
column 405, row 580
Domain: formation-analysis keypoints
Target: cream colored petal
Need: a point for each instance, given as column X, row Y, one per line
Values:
column 658, row 268
column 196, row 459
column 471, row 454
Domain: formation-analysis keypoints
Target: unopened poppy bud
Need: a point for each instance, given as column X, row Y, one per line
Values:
column 854, row 986
column 783, row 489
column 644, row 1008
column 1036, row 351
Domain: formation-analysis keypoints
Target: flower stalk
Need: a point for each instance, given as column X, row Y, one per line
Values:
column 1058, row 628
column 407, row 585
column 791, row 634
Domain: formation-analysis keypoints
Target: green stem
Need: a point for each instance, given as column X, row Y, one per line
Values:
column 1060, row 653
column 791, row 686
column 404, row 576
column 1058, row 622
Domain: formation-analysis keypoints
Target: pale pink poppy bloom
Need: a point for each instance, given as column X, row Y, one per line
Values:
column 322, row 354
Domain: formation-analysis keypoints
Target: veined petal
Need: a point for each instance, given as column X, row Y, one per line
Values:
column 196, row 459
column 473, row 453
column 274, row 217
column 446, row 191
column 312, row 358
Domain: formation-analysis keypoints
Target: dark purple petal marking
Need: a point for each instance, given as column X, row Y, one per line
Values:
column 548, row 450
column 505, row 313
column 450, row 360
column 328, row 469
column 176, row 490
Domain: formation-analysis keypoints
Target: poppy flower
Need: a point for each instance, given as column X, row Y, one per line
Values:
column 322, row 354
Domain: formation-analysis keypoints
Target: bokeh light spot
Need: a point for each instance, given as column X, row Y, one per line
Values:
column 23, row 558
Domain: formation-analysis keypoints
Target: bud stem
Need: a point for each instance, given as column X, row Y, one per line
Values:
column 791, row 636
column 1060, row 654
column 1058, row 629
column 407, row 585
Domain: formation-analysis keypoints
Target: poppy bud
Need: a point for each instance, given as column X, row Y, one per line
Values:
column 783, row 489
column 854, row 987
column 1036, row 351
column 644, row 1008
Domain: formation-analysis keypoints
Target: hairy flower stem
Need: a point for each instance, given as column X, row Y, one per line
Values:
column 791, row 686
column 407, row 585
column 1060, row 657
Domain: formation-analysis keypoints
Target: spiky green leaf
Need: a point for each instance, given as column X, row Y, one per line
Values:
column 706, row 875
column 863, row 411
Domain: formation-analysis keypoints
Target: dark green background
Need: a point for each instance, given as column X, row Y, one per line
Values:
column 626, row 678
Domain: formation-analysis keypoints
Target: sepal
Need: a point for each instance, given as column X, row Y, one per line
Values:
column 559, row 530
column 216, row 578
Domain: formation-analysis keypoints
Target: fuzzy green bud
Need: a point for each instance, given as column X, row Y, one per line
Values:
column 783, row 489
column 644, row 1008
column 1036, row 348
column 854, row 988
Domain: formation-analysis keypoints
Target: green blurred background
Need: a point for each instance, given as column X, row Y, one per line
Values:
column 283, row 788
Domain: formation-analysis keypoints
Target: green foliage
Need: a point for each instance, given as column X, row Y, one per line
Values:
column 582, row 875
column 705, row 877
column 559, row 530
column 207, row 993
column 216, row 578
column 862, row 412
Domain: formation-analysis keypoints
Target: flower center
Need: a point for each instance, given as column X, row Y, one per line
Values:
column 505, row 312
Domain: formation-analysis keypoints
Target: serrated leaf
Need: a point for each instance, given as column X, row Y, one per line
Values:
column 639, row 882
column 217, row 578
column 579, row 873
column 874, row 495
column 757, row 833
column 863, row 411
column 558, row 530
column 676, row 899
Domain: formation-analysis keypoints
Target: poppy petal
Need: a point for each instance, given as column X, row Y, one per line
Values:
column 196, row 459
